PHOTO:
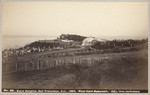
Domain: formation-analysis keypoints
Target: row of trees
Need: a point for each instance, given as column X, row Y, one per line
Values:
column 118, row 43
column 77, row 38
column 46, row 45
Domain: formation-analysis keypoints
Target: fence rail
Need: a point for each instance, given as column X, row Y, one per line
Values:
column 46, row 63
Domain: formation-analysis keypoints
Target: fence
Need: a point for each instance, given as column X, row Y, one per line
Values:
column 46, row 63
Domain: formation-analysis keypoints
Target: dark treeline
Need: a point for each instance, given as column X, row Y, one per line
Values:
column 72, row 37
column 39, row 44
column 118, row 43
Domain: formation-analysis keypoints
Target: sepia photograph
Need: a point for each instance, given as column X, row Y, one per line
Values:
column 74, row 47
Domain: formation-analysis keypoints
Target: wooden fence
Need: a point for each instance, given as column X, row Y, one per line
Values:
column 46, row 63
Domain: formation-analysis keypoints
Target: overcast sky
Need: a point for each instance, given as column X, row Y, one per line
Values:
column 129, row 19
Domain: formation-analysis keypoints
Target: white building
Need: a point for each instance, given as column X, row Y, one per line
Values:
column 90, row 41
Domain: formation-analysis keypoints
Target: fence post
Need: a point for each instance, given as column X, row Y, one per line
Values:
column 16, row 66
column 79, row 60
column 65, row 61
column 73, row 61
column 43, row 63
column 49, row 61
column 56, row 62
column 6, row 67
column 38, row 64
column 90, row 61
column 33, row 66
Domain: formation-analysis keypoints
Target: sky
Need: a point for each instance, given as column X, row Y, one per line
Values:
column 107, row 19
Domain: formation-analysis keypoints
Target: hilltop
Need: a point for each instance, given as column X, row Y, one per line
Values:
column 63, row 40
column 67, row 42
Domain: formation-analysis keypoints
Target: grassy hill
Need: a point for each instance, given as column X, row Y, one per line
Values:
column 127, row 70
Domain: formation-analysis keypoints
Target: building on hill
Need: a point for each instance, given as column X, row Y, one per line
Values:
column 90, row 41
column 68, row 41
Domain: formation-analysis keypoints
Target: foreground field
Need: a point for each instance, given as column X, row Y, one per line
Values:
column 127, row 70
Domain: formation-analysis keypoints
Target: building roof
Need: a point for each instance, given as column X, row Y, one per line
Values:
column 90, row 40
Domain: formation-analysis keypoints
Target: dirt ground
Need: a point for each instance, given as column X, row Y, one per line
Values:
column 128, row 70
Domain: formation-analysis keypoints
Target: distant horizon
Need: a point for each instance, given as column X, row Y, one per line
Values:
column 42, row 36
column 16, row 41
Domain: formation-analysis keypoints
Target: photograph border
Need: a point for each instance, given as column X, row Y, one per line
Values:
column 4, row 93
